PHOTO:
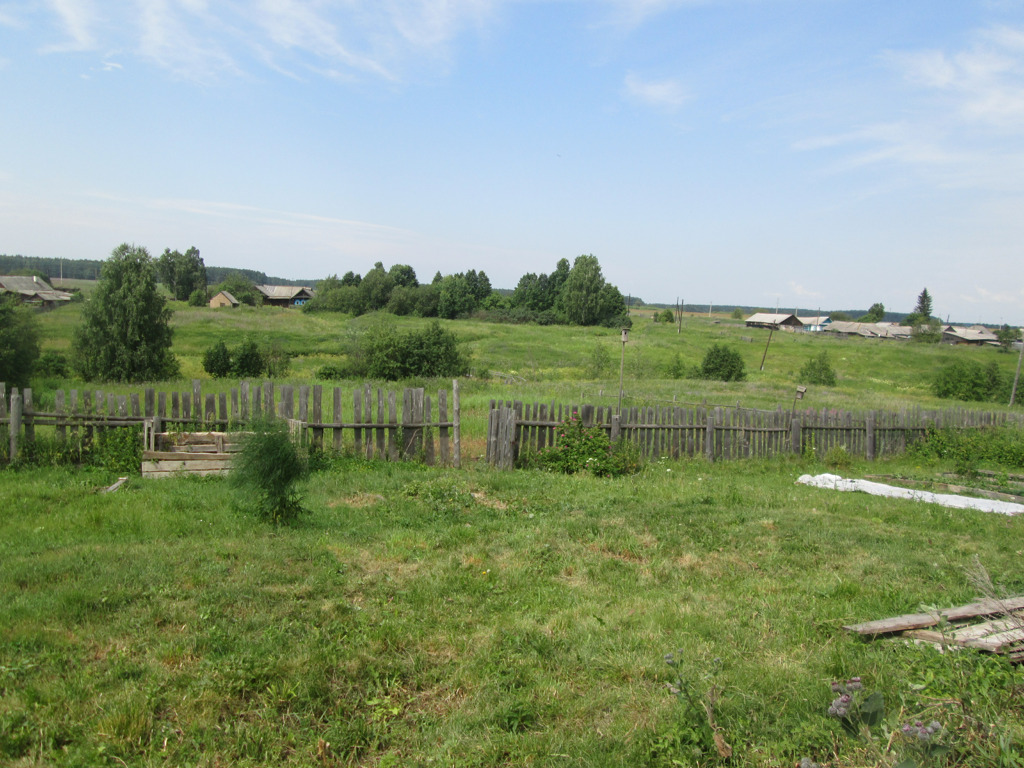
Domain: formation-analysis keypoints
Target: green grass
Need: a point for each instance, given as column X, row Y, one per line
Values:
column 477, row 618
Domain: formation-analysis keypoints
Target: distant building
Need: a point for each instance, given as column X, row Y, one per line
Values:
column 223, row 299
column 33, row 290
column 772, row 320
column 816, row 323
column 285, row 295
column 976, row 334
column 870, row 330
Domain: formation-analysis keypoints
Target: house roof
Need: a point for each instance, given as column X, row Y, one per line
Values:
column 817, row 320
column 976, row 333
column 31, row 287
column 871, row 330
column 227, row 296
column 286, row 292
column 771, row 318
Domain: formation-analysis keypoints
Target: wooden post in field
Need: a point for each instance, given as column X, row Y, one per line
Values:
column 336, row 418
column 616, row 431
column 795, row 438
column 197, row 400
column 456, row 430
column 318, row 416
column 62, row 430
column 442, row 431
column 869, row 436
column 392, row 426
column 244, row 400
column 30, row 428
column 15, row 423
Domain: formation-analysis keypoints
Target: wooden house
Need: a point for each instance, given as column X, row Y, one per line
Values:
column 285, row 295
column 32, row 290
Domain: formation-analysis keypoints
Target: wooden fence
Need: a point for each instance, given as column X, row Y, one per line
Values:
column 723, row 433
column 379, row 426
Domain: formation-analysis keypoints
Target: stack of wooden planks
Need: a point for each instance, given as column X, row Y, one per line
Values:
column 194, row 453
column 992, row 625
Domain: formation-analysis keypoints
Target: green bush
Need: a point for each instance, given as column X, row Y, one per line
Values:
column 265, row 471
column 52, row 365
column 970, row 380
column 583, row 449
column 721, row 363
column 818, row 370
column 386, row 354
column 1001, row 446
column 217, row 360
column 599, row 362
column 248, row 360
column 197, row 298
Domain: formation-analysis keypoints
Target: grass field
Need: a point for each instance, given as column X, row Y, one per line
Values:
column 433, row 617
column 477, row 618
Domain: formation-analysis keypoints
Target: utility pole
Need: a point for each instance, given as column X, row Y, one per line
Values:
column 622, row 366
column 1016, row 376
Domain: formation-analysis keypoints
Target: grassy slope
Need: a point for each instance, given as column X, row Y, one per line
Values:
column 406, row 622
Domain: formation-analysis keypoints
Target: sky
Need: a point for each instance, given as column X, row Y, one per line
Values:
column 803, row 154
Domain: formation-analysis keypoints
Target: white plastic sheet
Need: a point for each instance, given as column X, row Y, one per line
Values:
column 836, row 483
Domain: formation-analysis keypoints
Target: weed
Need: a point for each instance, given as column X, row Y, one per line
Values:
column 856, row 712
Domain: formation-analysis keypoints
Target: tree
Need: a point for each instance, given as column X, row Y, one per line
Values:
column 876, row 314
column 1006, row 336
column 455, row 297
column 376, row 287
column 923, row 311
column 19, row 343
column 403, row 275
column 579, row 299
column 125, row 333
column 182, row 273
column 818, row 370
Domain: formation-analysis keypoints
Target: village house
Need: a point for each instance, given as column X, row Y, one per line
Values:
column 976, row 334
column 32, row 290
column 285, row 295
column 773, row 320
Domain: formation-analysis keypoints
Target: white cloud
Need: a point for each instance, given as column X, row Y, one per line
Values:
column 803, row 292
column 78, row 18
column 664, row 94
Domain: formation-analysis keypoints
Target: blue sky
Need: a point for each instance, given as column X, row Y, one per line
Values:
column 804, row 153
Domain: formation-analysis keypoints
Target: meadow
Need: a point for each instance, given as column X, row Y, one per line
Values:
column 427, row 616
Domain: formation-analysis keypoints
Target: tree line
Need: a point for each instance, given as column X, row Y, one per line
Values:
column 572, row 295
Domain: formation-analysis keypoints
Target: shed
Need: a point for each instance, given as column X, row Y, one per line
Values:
column 223, row 299
column 977, row 335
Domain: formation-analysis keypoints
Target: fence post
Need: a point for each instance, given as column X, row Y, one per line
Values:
column 709, row 435
column 15, row 423
column 61, row 430
column 616, row 431
column 26, row 404
column 794, row 435
column 197, row 400
column 457, row 435
column 869, row 437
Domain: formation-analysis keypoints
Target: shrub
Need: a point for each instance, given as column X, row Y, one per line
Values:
column 818, row 370
column 721, row 363
column 217, row 360
column 248, row 360
column 52, row 365
column 599, row 361
column 197, row 298
column 584, row 449
column 386, row 354
column 265, row 471
column 19, row 343
column 665, row 316
column 969, row 380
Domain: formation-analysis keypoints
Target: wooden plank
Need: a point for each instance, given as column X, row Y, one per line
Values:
column 186, row 456
column 922, row 620
column 190, row 465
column 442, row 432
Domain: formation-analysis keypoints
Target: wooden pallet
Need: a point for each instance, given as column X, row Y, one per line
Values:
column 994, row 626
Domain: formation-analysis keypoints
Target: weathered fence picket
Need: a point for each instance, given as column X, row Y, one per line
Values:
column 407, row 434
column 719, row 433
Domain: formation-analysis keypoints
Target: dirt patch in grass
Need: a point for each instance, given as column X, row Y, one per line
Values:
column 358, row 501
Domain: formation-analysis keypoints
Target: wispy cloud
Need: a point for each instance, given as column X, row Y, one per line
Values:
column 77, row 17
column 201, row 40
column 984, row 84
column 960, row 122
column 664, row 94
